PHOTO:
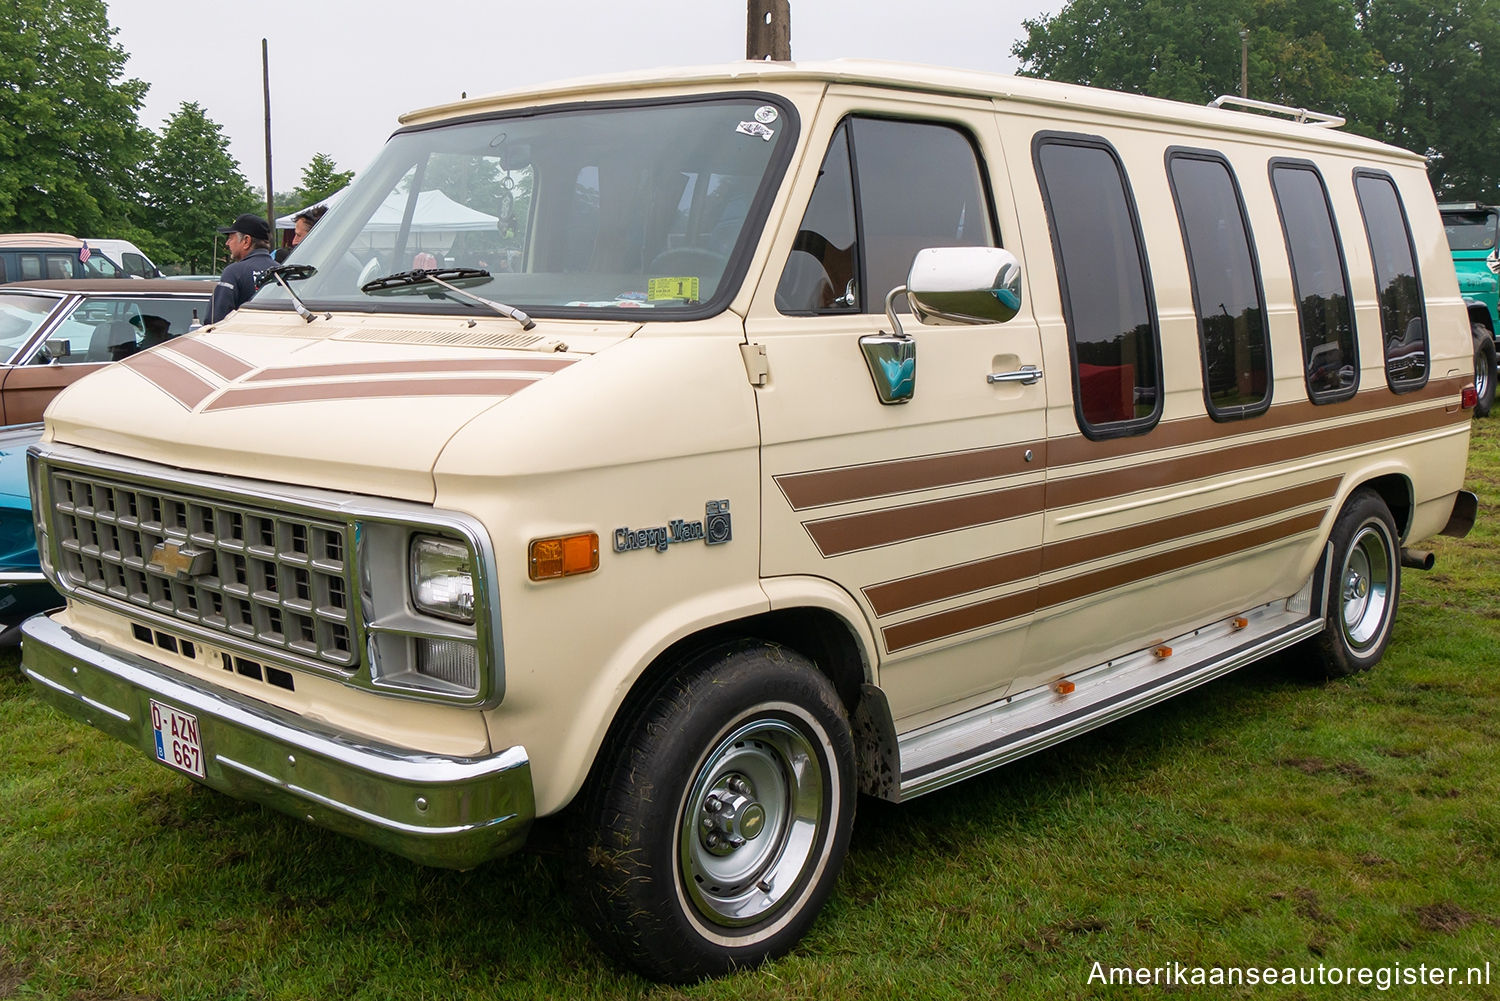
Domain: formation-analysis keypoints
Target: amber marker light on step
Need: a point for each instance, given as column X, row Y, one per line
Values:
column 564, row 556
column 1065, row 687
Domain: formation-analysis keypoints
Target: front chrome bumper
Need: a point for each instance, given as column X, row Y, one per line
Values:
column 433, row 809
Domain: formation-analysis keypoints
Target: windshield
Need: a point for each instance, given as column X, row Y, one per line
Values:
column 1471, row 230
column 20, row 316
column 578, row 211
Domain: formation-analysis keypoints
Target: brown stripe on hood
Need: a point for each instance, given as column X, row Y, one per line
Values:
column 1009, row 606
column 310, row 392
column 221, row 363
column 413, row 367
column 169, row 377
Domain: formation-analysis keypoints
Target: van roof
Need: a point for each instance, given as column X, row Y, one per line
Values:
column 45, row 240
column 114, row 286
column 911, row 77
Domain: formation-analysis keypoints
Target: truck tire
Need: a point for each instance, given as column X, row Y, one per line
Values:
column 718, row 817
column 1364, row 588
column 1484, row 371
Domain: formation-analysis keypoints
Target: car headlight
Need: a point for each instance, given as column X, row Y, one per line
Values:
column 442, row 578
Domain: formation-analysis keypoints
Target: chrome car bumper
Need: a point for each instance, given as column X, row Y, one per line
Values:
column 436, row 810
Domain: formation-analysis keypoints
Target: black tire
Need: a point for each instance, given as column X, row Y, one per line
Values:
column 717, row 820
column 1484, row 371
column 1364, row 589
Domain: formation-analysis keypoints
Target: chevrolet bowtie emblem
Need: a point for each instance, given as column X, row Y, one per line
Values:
column 180, row 560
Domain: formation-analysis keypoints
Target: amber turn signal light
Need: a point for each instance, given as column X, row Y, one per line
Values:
column 564, row 556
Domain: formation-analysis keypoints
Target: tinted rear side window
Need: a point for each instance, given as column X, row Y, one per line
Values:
column 1106, row 290
column 1403, row 322
column 1320, row 280
column 1226, row 284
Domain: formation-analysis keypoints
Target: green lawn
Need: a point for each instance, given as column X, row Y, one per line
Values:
column 1259, row 821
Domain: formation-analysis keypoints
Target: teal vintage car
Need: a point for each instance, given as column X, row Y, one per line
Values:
column 1474, row 238
column 24, row 590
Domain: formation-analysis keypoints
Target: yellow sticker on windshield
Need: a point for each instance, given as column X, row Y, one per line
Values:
column 672, row 288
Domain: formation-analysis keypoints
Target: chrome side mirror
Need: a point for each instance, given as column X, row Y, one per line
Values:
column 964, row 285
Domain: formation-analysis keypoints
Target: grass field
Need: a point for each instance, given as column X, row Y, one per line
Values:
column 1259, row 821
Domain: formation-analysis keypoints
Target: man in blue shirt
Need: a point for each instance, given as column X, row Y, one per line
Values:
column 249, row 243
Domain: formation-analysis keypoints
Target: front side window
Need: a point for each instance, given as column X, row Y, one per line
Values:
column 887, row 189
column 1106, row 290
column 109, row 328
column 582, row 210
column 1320, row 281
column 1232, row 329
column 1403, row 322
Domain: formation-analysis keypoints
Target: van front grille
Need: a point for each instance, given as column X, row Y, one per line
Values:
column 279, row 581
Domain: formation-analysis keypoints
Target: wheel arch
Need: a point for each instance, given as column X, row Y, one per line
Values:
column 1395, row 489
column 816, row 625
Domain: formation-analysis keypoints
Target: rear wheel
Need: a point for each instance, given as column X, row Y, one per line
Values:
column 1364, row 589
column 1484, row 371
column 718, row 820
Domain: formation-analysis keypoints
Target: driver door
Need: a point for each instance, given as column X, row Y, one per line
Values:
column 929, row 512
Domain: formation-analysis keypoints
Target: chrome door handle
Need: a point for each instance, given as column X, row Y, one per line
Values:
column 1027, row 376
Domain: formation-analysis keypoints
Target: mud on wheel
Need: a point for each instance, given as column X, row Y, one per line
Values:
column 716, row 822
column 1364, row 588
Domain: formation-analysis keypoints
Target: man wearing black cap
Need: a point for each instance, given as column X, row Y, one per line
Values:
column 249, row 243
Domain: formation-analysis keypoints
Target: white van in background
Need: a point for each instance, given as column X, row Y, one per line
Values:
column 131, row 259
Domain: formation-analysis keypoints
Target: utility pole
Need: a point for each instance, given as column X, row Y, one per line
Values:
column 265, row 72
column 1245, row 62
column 768, row 30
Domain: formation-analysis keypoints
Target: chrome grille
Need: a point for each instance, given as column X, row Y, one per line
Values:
column 277, row 580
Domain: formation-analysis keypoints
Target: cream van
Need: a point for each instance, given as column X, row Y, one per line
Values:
column 678, row 456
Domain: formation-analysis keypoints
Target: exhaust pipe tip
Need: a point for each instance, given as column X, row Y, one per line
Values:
column 1418, row 559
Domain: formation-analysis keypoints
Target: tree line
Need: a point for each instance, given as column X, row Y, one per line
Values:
column 74, row 157
column 1421, row 74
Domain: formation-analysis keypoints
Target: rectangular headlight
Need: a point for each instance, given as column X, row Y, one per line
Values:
column 442, row 578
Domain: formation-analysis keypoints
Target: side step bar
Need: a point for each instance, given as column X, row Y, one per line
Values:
column 952, row 750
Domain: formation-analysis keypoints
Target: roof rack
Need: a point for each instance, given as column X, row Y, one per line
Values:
column 1317, row 118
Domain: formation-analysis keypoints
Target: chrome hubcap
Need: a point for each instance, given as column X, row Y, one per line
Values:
column 751, row 823
column 1368, row 573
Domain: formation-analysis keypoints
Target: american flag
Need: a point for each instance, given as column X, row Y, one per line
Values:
column 83, row 255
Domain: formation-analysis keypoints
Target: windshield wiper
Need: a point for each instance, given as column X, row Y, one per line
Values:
column 284, row 273
column 442, row 276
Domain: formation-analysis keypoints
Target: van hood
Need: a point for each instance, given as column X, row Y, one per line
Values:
column 362, row 404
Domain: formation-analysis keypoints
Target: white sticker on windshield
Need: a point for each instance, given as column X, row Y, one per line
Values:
column 765, row 114
column 755, row 129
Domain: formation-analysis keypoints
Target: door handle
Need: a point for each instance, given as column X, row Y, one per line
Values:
column 1027, row 376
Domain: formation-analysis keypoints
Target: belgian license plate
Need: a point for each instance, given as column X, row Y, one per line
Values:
column 178, row 742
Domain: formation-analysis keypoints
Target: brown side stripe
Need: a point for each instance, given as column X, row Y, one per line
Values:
column 951, row 582
column 996, row 610
column 1233, row 457
column 221, row 363
column 1077, row 449
column 413, row 368
column 169, row 377
column 897, row 476
column 851, row 533
column 816, row 488
column 845, row 534
column 374, row 389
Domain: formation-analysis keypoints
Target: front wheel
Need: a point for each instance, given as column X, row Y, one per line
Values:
column 718, row 819
column 1364, row 589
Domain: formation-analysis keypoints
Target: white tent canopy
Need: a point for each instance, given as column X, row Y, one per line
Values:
column 435, row 213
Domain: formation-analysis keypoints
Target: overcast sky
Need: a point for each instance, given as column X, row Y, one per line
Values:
column 343, row 70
